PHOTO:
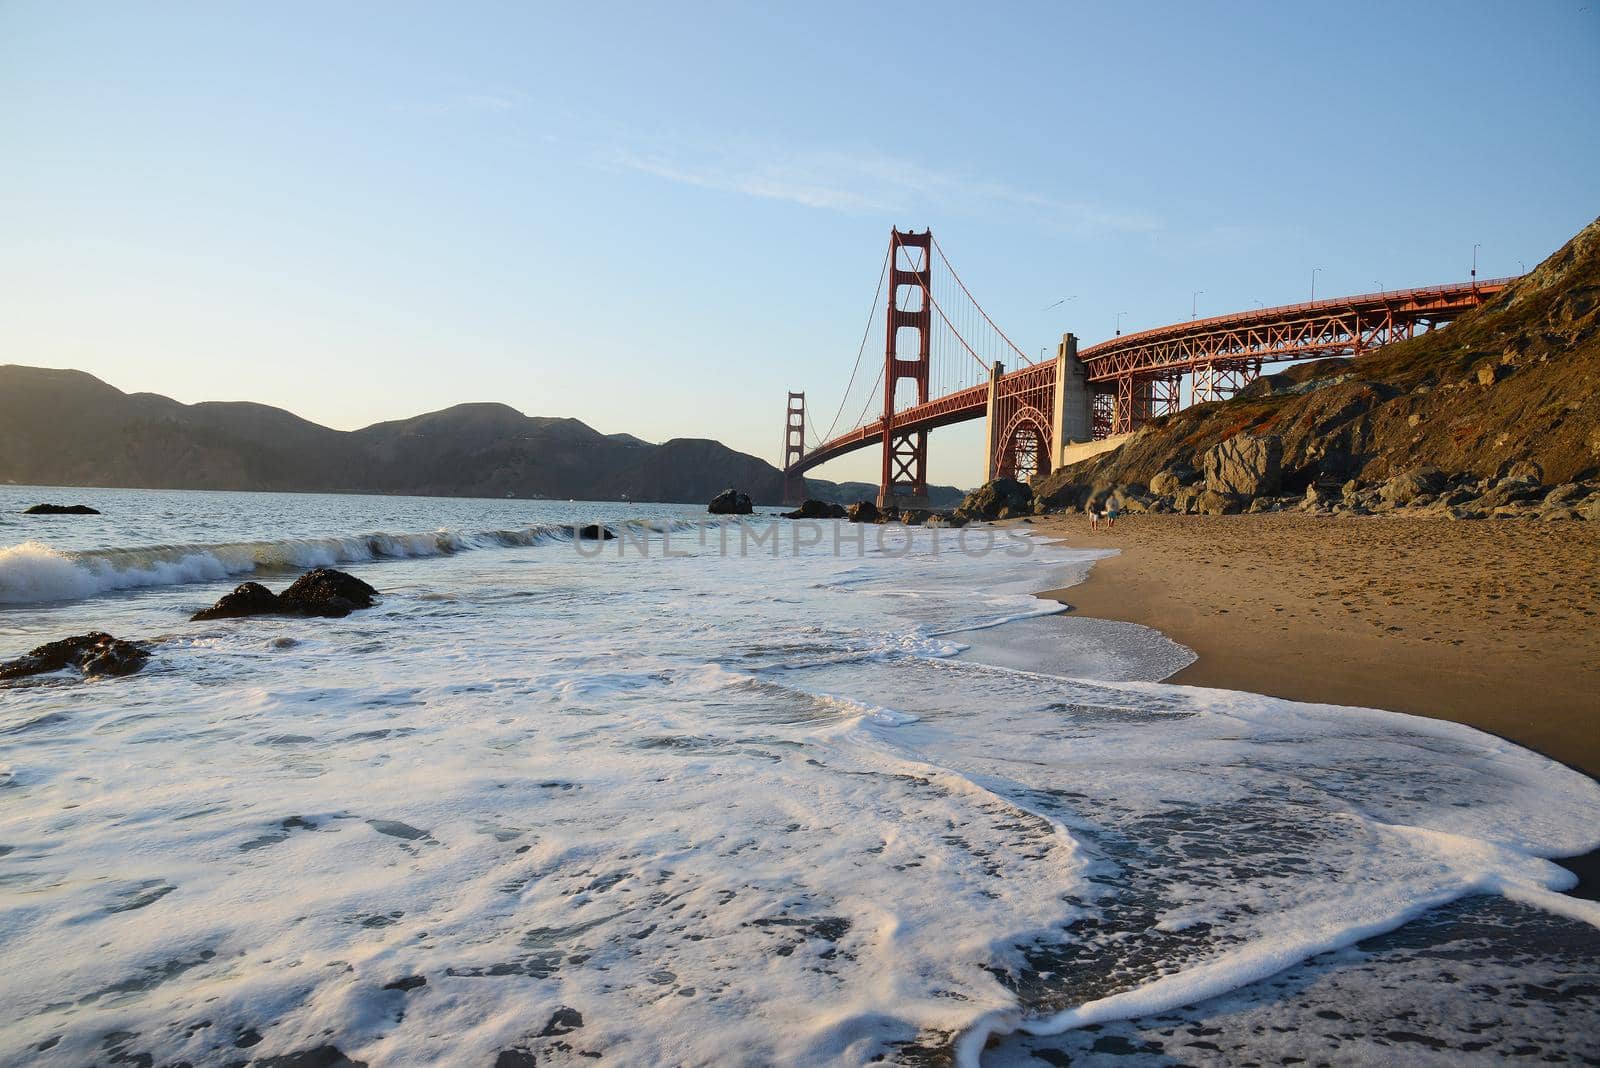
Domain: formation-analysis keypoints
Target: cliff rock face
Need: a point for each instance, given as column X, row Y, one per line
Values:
column 1516, row 381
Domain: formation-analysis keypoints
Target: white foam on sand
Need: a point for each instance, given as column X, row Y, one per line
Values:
column 703, row 810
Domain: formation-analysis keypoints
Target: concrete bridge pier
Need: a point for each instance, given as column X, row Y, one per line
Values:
column 1073, row 418
column 991, row 424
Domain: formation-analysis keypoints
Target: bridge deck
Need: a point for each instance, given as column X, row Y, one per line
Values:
column 1309, row 330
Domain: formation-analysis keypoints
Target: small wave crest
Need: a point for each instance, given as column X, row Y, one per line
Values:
column 32, row 572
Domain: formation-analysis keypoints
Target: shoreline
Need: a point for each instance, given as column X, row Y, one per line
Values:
column 1395, row 614
column 1412, row 635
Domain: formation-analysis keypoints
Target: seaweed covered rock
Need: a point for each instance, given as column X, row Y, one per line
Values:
column 61, row 509
column 95, row 653
column 247, row 599
column 322, row 591
column 863, row 512
column 730, row 502
column 815, row 509
column 593, row 532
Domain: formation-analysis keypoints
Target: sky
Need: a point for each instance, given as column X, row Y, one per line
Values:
column 659, row 218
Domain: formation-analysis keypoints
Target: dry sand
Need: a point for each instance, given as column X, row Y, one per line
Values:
column 1495, row 624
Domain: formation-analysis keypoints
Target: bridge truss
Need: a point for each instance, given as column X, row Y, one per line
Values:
column 945, row 360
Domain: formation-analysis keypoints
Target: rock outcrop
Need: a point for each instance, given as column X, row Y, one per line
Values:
column 1407, row 486
column 61, row 509
column 863, row 512
column 322, row 592
column 815, row 509
column 1479, row 420
column 94, row 654
column 730, row 502
column 593, row 532
column 1245, row 465
column 1000, row 499
column 1168, row 481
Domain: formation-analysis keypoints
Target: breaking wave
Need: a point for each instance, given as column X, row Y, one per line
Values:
column 34, row 573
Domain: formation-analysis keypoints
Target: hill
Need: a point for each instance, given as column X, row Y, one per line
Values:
column 1508, row 393
column 68, row 428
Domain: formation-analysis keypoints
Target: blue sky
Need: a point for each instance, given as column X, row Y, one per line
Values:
column 659, row 218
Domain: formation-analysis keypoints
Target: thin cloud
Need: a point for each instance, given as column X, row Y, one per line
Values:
column 867, row 182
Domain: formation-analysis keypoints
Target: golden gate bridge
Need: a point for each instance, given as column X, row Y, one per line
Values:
column 946, row 361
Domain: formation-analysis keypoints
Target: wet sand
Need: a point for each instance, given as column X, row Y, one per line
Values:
column 1495, row 624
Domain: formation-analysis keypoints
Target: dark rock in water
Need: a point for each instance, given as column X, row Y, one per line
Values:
column 318, row 1057
column 815, row 509
column 95, row 653
column 594, row 532
column 730, row 502
column 61, row 509
column 247, row 599
column 1003, row 495
column 322, row 591
column 863, row 512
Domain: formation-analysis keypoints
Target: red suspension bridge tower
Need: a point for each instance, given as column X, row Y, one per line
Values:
column 794, row 448
column 907, row 337
column 946, row 361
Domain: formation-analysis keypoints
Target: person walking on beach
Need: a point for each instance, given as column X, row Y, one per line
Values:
column 1094, row 516
column 1111, row 516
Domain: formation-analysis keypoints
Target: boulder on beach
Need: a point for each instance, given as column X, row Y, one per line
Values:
column 815, row 509
column 1407, row 486
column 1215, row 502
column 730, row 502
column 322, row 592
column 1246, row 465
column 61, row 509
column 95, row 653
column 593, row 532
column 997, row 499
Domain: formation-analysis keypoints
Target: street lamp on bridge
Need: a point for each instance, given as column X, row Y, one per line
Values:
column 1194, row 302
column 1119, row 322
column 1475, row 249
column 1314, row 271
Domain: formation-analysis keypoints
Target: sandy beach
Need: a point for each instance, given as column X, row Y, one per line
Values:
column 1492, row 624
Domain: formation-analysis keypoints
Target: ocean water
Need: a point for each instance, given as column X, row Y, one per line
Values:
column 727, row 794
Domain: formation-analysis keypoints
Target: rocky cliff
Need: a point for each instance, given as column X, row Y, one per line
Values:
column 1509, row 393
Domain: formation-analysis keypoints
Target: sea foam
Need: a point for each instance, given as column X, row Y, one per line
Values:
column 713, row 810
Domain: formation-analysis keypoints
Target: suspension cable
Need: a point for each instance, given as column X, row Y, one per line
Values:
column 946, row 260
column 872, row 315
column 953, row 329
